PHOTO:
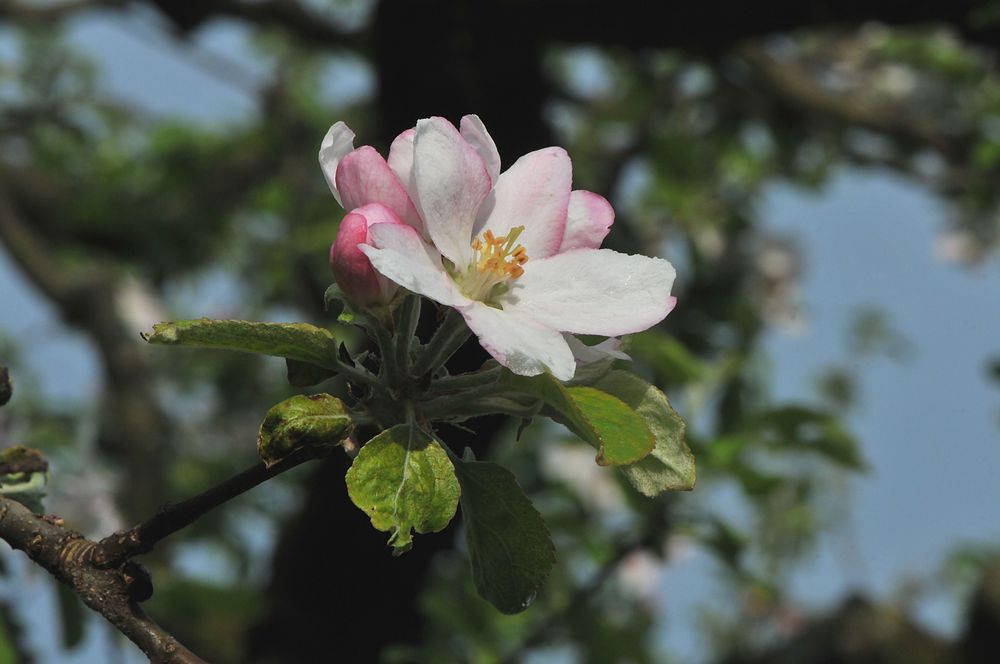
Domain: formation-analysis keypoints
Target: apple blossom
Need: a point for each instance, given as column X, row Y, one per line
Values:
column 516, row 253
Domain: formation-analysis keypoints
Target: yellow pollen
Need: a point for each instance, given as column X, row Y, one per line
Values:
column 495, row 260
column 499, row 257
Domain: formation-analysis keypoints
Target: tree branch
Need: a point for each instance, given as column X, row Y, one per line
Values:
column 114, row 593
column 795, row 88
column 44, row 13
column 714, row 26
column 289, row 15
column 115, row 549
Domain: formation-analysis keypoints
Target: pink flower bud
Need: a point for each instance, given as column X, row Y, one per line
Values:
column 353, row 272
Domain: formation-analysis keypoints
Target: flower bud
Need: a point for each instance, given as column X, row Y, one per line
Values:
column 353, row 272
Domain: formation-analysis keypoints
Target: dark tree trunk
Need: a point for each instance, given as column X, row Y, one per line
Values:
column 336, row 590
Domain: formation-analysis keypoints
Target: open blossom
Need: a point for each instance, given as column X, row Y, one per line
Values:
column 516, row 253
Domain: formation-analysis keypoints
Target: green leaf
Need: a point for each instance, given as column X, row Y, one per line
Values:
column 296, row 341
column 509, row 546
column 603, row 420
column 671, row 465
column 302, row 421
column 405, row 482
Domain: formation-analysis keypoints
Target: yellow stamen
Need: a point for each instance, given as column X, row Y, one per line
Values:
column 495, row 261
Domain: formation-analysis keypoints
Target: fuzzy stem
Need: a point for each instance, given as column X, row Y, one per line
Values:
column 448, row 338
column 409, row 316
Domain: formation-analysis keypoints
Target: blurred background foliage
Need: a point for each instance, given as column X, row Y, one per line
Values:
column 120, row 215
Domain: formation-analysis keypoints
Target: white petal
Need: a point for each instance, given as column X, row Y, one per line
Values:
column 401, row 161
column 521, row 345
column 533, row 193
column 588, row 221
column 474, row 132
column 609, row 349
column 339, row 141
column 594, row 291
column 399, row 254
column 593, row 362
column 451, row 182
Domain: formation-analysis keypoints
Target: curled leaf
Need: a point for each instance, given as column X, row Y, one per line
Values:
column 302, row 421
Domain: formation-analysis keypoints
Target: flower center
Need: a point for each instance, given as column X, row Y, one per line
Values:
column 495, row 262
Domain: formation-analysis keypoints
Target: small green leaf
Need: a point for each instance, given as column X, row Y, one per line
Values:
column 509, row 546
column 296, row 341
column 603, row 420
column 23, row 476
column 304, row 374
column 671, row 465
column 404, row 481
column 302, row 421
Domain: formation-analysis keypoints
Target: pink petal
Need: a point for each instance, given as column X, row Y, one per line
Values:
column 588, row 221
column 339, row 141
column 451, row 182
column 533, row 193
column 363, row 177
column 594, row 291
column 474, row 132
column 351, row 269
column 518, row 343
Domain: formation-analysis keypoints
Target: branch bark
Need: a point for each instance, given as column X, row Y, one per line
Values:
column 103, row 574
column 114, row 593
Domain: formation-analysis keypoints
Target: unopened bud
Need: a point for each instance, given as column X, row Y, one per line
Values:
column 360, row 283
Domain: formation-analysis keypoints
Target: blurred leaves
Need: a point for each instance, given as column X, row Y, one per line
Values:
column 687, row 147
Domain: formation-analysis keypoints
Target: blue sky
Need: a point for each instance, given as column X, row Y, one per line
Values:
column 930, row 423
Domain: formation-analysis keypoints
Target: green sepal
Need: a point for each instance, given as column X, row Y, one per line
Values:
column 509, row 546
column 334, row 299
column 671, row 466
column 603, row 420
column 302, row 421
column 296, row 341
column 405, row 482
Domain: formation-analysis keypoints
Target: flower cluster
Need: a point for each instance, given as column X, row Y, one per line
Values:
column 516, row 253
